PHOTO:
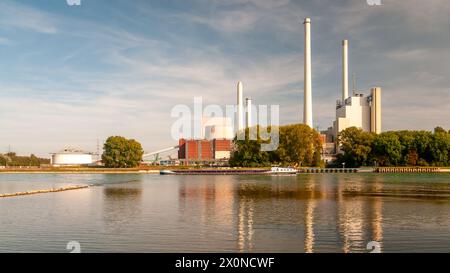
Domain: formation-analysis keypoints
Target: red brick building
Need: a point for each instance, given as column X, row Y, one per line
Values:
column 204, row 149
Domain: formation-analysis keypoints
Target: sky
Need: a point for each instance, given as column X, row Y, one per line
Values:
column 70, row 75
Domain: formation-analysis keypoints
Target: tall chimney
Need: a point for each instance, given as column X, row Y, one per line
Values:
column 307, row 108
column 344, row 70
column 240, row 106
column 249, row 112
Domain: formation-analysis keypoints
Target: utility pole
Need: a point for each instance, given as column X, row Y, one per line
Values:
column 98, row 150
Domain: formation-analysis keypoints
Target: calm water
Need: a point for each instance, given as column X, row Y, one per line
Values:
column 152, row 213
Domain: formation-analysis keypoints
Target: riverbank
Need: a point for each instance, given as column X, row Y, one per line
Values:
column 96, row 170
column 157, row 169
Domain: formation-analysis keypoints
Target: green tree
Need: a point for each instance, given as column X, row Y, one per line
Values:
column 439, row 129
column 398, row 148
column 387, row 149
column 247, row 152
column 299, row 145
column 120, row 152
column 439, row 148
column 357, row 147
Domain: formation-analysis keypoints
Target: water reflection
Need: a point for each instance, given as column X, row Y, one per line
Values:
column 122, row 204
column 304, row 213
column 307, row 203
column 245, row 224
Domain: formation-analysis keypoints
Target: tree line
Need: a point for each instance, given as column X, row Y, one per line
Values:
column 299, row 145
column 13, row 160
column 394, row 148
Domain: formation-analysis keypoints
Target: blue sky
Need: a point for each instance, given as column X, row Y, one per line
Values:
column 72, row 74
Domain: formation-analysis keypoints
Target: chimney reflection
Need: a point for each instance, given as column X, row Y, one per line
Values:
column 310, row 205
column 377, row 213
column 360, row 214
column 341, row 204
column 245, row 224
column 212, row 198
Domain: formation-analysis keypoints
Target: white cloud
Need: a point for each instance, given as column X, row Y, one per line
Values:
column 15, row 15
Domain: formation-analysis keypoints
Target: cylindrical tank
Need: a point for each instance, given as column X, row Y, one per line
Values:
column 71, row 157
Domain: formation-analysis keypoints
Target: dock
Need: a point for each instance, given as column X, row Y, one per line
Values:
column 328, row 170
column 407, row 170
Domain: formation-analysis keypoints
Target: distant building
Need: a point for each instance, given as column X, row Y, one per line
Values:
column 359, row 111
column 71, row 157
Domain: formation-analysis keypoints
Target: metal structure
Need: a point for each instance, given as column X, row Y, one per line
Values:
column 156, row 154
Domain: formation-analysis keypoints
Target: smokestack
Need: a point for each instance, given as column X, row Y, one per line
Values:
column 249, row 113
column 240, row 106
column 307, row 108
column 344, row 70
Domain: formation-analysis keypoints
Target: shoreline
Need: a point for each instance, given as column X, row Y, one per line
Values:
column 156, row 170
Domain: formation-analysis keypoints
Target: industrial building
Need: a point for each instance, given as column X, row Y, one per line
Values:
column 215, row 145
column 217, row 128
column 204, row 150
column 356, row 110
column 71, row 157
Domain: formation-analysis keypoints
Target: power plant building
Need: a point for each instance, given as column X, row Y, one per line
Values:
column 356, row 110
column 204, row 150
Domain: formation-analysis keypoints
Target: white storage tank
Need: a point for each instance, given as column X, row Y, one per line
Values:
column 72, row 157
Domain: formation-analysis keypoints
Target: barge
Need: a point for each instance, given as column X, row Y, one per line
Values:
column 272, row 171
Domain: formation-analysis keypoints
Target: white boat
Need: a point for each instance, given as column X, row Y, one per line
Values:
column 163, row 172
column 281, row 170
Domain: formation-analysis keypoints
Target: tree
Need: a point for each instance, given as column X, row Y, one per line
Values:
column 357, row 146
column 439, row 129
column 299, row 145
column 412, row 159
column 439, row 148
column 398, row 148
column 120, row 152
column 247, row 153
column 387, row 149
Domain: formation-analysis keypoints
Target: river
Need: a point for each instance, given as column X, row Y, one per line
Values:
column 152, row 213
